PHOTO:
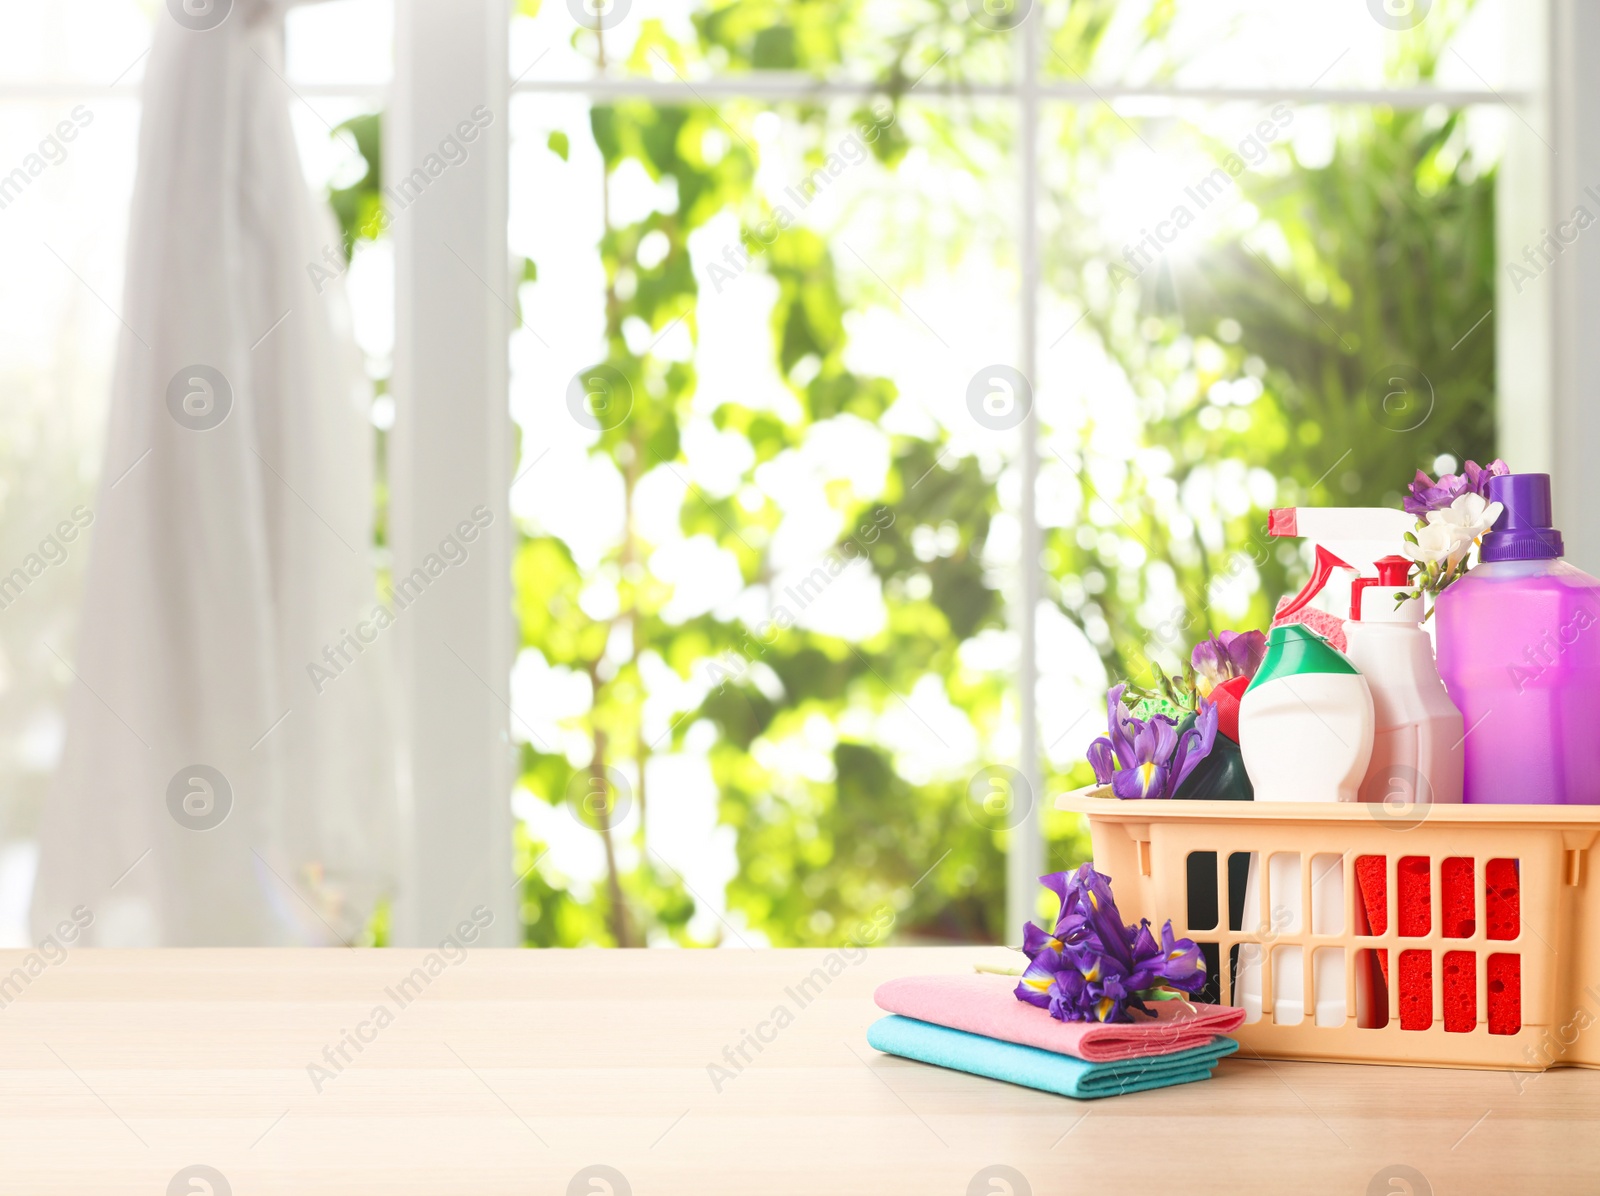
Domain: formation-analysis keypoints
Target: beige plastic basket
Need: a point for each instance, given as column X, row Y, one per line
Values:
column 1144, row 846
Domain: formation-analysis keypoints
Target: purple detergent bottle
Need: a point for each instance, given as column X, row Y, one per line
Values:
column 1519, row 651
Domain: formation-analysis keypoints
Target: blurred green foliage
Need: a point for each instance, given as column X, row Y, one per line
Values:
column 357, row 206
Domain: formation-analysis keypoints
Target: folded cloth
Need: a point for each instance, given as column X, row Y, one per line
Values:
column 1048, row 1071
column 983, row 1003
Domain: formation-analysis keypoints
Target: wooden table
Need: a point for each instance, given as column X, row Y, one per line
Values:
column 510, row 1071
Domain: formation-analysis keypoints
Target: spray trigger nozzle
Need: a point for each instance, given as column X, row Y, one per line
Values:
column 1321, row 570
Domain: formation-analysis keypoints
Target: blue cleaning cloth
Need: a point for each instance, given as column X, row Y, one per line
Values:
column 1048, row 1071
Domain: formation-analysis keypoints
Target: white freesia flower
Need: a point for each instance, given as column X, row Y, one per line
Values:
column 1444, row 539
column 1471, row 513
column 1435, row 543
column 1452, row 532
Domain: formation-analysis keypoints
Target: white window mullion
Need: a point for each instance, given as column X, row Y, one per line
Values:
column 1025, row 856
column 1524, row 334
column 446, row 163
column 1572, row 161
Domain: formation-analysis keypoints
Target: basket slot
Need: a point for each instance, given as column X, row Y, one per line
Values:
column 1575, row 863
column 1288, row 985
column 1211, row 994
column 1372, row 1005
column 1289, row 892
column 1327, row 894
column 1458, row 918
column 1331, row 993
column 1414, row 897
column 1202, row 889
column 1416, row 989
column 1372, row 890
column 1237, row 882
column 1249, row 968
column 1460, row 991
column 1505, row 994
column 1503, row 899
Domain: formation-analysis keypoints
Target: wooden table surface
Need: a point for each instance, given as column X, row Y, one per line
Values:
column 512, row 1071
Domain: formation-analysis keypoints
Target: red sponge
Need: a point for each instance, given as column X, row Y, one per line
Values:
column 1503, row 911
column 1460, row 991
column 1416, row 989
column 1505, row 994
column 1374, row 891
column 1505, row 899
column 1416, row 890
column 1456, row 879
column 1329, row 627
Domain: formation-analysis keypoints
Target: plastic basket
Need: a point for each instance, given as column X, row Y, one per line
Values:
column 1546, row 961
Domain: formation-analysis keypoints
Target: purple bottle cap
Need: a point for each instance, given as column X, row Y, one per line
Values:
column 1524, row 531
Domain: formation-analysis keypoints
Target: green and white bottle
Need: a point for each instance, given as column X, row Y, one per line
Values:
column 1305, row 723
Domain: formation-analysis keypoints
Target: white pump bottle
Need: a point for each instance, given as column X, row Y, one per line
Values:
column 1417, row 753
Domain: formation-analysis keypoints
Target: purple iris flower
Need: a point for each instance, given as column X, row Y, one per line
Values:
column 1037, row 942
column 1146, row 774
column 1102, row 760
column 1226, row 655
column 1121, row 723
column 1428, row 495
column 1148, row 758
column 1093, row 968
column 1195, row 744
column 1089, row 912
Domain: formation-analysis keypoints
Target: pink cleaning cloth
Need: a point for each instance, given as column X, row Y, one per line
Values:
column 982, row 1003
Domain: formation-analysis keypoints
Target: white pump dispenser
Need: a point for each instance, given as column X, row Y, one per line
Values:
column 1417, row 753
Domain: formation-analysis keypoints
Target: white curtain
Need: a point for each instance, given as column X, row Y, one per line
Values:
column 231, row 546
